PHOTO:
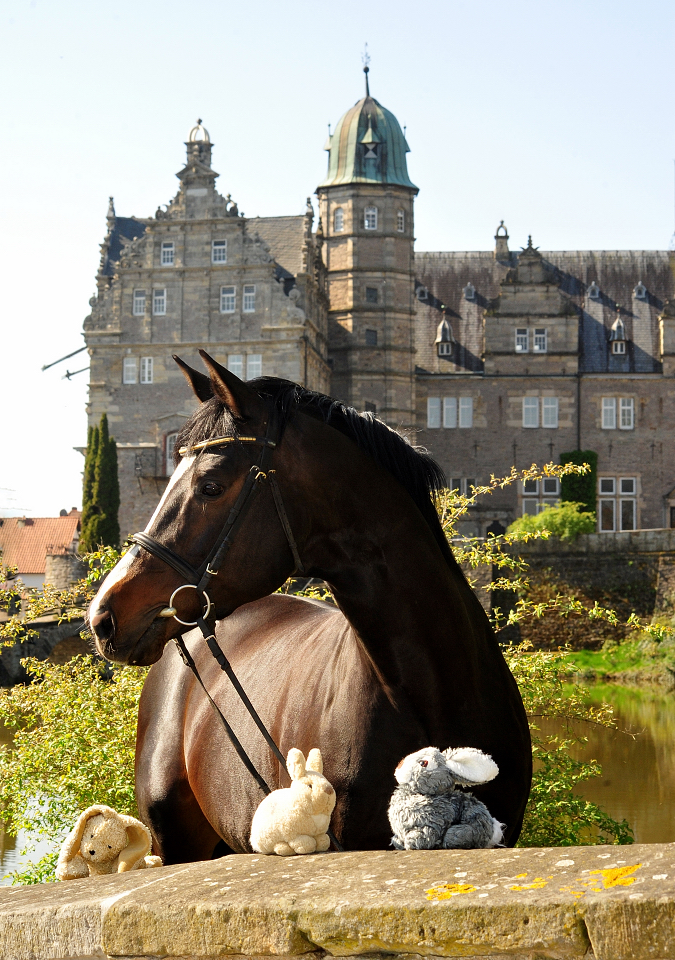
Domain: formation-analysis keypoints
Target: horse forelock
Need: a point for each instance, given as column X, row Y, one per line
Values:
column 411, row 466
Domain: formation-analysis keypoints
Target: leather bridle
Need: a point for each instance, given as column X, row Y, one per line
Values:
column 198, row 578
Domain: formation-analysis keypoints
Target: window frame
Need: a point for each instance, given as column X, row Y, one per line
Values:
column 550, row 411
column 248, row 298
column 168, row 247
column 370, row 213
column 146, row 371
column 608, row 413
column 540, row 334
column 400, row 221
column 136, row 298
column 225, row 296
column 127, row 364
column 465, row 413
column 618, row 348
column 450, row 413
column 522, row 340
column 627, row 405
column 168, row 452
column 369, row 295
column 235, row 364
column 253, row 365
column 371, row 338
column 159, row 296
column 433, row 413
column 338, row 220
column 531, row 405
column 222, row 247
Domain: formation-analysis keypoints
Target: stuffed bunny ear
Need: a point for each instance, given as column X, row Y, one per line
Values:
column 470, row 766
column 139, row 844
column 295, row 761
column 71, row 845
column 315, row 760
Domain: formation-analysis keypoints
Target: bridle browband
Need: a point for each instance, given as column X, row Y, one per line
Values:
column 199, row 578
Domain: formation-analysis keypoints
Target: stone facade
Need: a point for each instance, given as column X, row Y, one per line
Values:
column 489, row 359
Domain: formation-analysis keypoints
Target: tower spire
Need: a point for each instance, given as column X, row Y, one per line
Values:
column 366, row 67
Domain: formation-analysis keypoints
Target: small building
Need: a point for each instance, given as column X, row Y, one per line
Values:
column 43, row 549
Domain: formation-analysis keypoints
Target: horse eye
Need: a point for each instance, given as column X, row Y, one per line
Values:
column 211, row 489
column 424, row 763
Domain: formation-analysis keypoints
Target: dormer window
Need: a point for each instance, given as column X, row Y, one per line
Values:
column 522, row 339
column 469, row 292
column 640, row 291
column 422, row 294
column 445, row 341
column 370, row 218
column 617, row 337
column 619, row 347
column 338, row 220
column 594, row 291
column 400, row 221
column 168, row 254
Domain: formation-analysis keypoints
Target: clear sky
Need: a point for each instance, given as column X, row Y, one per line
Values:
column 557, row 118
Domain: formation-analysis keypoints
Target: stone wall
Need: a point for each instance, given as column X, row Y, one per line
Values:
column 596, row 903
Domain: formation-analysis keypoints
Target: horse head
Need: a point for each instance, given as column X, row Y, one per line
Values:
column 218, row 511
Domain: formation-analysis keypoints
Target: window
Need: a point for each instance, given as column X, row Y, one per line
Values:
column 469, row 292
column 339, row 220
column 168, row 254
column 530, row 411
column 549, row 411
column 235, row 364
column 370, row 218
column 139, row 303
column 433, row 412
column 371, row 294
column 371, row 338
column 539, row 494
column 219, row 251
column 400, row 221
column 249, row 298
column 608, row 413
column 618, row 503
column 444, row 348
column 159, row 302
column 594, row 291
column 463, row 485
column 540, row 341
column 228, row 299
column 450, row 412
column 618, row 347
column 169, row 447
column 521, row 340
column 422, row 294
column 146, row 369
column 465, row 412
column 253, row 366
column 129, row 370
column 627, row 408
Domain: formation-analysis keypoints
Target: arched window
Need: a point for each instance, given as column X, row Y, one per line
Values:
column 370, row 218
column 339, row 220
column 169, row 447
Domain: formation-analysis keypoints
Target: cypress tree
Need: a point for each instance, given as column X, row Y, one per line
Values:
column 581, row 488
column 104, row 528
column 88, row 488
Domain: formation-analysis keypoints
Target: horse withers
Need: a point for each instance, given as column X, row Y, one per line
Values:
column 406, row 659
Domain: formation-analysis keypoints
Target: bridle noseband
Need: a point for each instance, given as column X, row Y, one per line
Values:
column 201, row 577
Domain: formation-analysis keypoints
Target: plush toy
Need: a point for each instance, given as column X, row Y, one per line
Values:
column 295, row 819
column 426, row 812
column 103, row 841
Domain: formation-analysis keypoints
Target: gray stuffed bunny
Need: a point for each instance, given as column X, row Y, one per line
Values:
column 426, row 812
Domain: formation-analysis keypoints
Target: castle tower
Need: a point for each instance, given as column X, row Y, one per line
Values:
column 366, row 204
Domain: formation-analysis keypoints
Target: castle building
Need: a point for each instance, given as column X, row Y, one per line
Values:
column 489, row 359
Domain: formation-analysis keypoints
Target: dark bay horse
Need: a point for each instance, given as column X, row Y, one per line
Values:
column 406, row 660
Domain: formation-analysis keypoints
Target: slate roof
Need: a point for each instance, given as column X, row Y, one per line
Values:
column 25, row 541
column 285, row 236
column 124, row 228
column 616, row 272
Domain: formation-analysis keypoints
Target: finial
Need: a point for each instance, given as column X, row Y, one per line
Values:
column 111, row 209
column 365, row 59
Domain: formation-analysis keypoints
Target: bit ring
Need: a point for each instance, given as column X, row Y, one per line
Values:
column 187, row 623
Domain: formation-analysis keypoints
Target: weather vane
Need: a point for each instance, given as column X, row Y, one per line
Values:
column 365, row 59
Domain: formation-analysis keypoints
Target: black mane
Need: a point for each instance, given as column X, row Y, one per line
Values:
column 414, row 469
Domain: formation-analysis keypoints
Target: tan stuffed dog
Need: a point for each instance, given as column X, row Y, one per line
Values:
column 104, row 841
column 295, row 819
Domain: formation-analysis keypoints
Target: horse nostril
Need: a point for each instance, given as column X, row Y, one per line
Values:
column 102, row 625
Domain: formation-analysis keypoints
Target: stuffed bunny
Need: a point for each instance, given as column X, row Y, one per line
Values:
column 295, row 819
column 426, row 812
column 104, row 841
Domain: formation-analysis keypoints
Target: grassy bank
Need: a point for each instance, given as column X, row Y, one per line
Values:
column 637, row 660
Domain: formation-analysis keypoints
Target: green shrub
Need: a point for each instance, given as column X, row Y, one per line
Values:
column 565, row 521
column 580, row 487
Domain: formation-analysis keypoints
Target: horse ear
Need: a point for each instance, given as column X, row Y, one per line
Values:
column 201, row 385
column 315, row 760
column 241, row 400
column 470, row 766
column 295, row 761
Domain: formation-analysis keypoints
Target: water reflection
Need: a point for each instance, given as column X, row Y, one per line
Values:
column 638, row 763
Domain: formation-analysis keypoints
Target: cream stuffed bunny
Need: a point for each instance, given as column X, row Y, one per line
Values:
column 295, row 819
column 104, row 841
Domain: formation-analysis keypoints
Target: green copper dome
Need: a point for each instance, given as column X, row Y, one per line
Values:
column 368, row 146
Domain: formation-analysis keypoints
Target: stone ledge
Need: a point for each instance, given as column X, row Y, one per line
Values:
column 607, row 903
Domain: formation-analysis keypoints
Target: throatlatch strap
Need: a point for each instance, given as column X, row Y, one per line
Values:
column 283, row 516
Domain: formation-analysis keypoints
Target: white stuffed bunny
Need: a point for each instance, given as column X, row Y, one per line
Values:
column 104, row 841
column 295, row 819
column 427, row 812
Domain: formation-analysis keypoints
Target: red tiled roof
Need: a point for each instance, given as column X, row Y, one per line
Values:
column 25, row 541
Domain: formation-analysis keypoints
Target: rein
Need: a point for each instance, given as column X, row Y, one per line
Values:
column 199, row 578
